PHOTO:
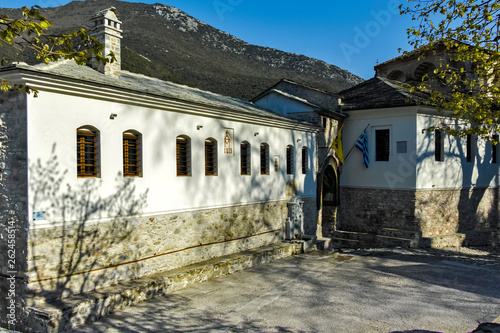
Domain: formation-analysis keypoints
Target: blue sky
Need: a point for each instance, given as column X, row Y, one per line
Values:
column 352, row 34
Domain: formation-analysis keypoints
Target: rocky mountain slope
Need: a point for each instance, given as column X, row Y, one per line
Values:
column 164, row 42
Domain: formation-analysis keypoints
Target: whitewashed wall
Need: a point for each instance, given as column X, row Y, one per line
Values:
column 454, row 171
column 54, row 118
column 399, row 171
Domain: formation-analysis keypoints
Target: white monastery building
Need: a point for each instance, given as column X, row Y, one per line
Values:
column 108, row 175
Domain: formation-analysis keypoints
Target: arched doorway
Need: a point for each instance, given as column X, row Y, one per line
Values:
column 328, row 197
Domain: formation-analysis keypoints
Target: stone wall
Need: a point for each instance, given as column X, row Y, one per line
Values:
column 310, row 215
column 72, row 259
column 369, row 210
column 406, row 216
column 13, row 206
column 473, row 212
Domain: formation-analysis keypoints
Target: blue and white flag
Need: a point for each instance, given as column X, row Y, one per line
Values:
column 362, row 144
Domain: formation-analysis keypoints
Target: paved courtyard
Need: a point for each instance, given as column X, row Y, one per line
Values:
column 362, row 291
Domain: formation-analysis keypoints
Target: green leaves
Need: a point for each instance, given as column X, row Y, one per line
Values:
column 31, row 32
column 467, row 81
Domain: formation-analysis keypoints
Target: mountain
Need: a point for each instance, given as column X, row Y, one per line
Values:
column 164, row 42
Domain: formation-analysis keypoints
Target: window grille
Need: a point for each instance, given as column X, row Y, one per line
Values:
column 131, row 155
column 183, row 156
column 289, row 160
column 469, row 148
column 438, row 146
column 87, row 153
column 304, row 160
column 264, row 159
column 210, row 157
column 494, row 149
column 245, row 158
column 382, row 145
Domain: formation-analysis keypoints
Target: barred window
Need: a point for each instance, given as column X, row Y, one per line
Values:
column 183, row 156
column 470, row 148
column 494, row 149
column 289, row 159
column 210, row 157
column 264, row 159
column 305, row 160
column 245, row 158
column 87, row 152
column 132, row 154
column 438, row 146
column 382, row 145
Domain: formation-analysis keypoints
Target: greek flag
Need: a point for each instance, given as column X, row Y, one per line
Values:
column 362, row 144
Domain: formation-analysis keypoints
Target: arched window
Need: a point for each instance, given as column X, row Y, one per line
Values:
column 264, row 158
column 87, row 151
column 424, row 71
column 132, row 154
column 305, row 160
column 289, row 160
column 245, row 158
column 397, row 75
column 183, row 155
column 210, row 157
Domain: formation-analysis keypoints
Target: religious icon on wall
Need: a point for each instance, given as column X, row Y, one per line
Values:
column 228, row 141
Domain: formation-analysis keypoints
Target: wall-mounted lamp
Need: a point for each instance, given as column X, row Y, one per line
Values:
column 256, row 133
column 298, row 140
column 113, row 116
column 198, row 127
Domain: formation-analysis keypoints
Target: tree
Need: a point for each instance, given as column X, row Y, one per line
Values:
column 31, row 32
column 467, row 80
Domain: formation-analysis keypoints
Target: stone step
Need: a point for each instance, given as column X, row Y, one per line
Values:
column 443, row 241
column 384, row 237
column 62, row 315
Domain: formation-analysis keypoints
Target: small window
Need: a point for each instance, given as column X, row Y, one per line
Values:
column 401, row 147
column 183, row 156
column 87, row 152
column 289, row 160
column 210, row 157
column 470, row 148
column 382, row 145
column 438, row 146
column 494, row 149
column 305, row 159
column 132, row 154
column 264, row 159
column 245, row 158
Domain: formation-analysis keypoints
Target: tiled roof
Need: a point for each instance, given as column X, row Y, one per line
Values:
column 144, row 84
column 380, row 93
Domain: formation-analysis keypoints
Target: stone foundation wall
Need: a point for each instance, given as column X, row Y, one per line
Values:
column 369, row 210
column 384, row 214
column 473, row 212
column 69, row 260
column 13, row 207
column 310, row 215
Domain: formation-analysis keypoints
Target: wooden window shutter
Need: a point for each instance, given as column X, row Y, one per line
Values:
column 289, row 160
column 304, row 160
column 245, row 158
column 131, row 155
column 210, row 158
column 183, row 156
column 87, row 153
column 264, row 159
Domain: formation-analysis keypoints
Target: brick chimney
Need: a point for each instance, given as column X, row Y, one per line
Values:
column 106, row 28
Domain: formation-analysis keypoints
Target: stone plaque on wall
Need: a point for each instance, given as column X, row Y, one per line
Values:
column 228, row 141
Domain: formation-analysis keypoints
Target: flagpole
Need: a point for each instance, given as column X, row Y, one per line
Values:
column 345, row 158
